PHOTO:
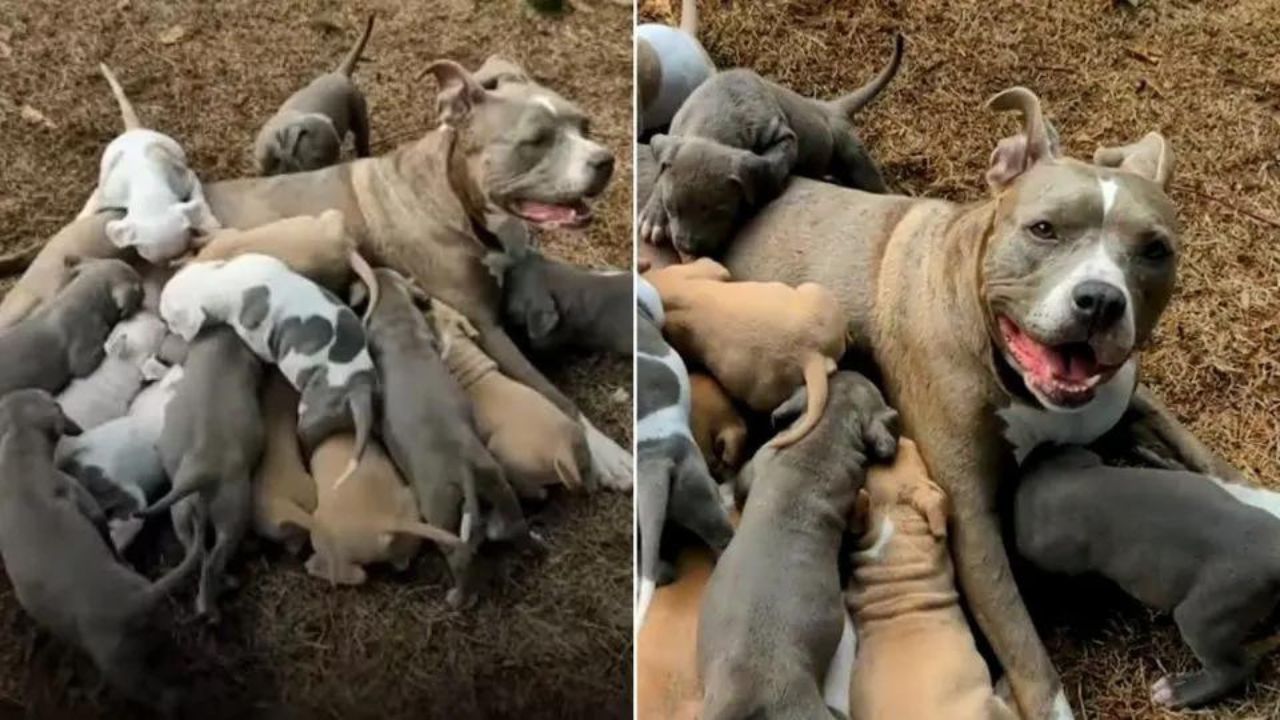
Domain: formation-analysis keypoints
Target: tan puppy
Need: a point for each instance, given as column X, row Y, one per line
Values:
column 373, row 518
column 284, row 495
column 718, row 428
column 536, row 443
column 318, row 248
column 761, row 340
column 916, row 656
column 667, row 686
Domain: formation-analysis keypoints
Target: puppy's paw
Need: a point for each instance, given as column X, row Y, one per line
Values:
column 611, row 463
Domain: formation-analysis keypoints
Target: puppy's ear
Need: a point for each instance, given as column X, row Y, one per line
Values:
column 64, row 425
column 497, row 263
column 1150, row 157
column 72, row 264
column 1016, row 154
column 459, row 91
column 753, row 174
column 542, row 321
column 127, row 296
column 929, row 500
column 121, row 233
column 664, row 149
column 881, row 435
column 289, row 137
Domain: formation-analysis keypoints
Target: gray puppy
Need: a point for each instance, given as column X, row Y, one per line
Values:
column 429, row 431
column 306, row 133
column 1176, row 541
column 64, row 570
column 211, row 444
column 772, row 615
column 64, row 338
column 734, row 143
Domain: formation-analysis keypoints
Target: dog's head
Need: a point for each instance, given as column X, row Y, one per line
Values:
column 158, row 237
column 527, row 149
column 309, row 143
column 1080, row 258
column 112, row 278
column 35, row 410
column 183, row 297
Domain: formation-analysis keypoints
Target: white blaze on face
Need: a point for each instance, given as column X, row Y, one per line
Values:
column 1057, row 308
column 1108, row 188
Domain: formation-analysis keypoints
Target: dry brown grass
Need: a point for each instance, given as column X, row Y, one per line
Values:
column 1203, row 73
column 554, row 637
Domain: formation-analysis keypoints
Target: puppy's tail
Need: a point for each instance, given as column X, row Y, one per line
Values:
column 427, row 531
column 348, row 64
column 849, row 104
column 162, row 588
column 19, row 260
column 689, row 17
column 181, row 488
column 364, row 271
column 361, row 404
column 816, row 369
column 127, row 112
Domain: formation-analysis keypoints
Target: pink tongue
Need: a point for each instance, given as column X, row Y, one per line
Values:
column 542, row 212
column 1044, row 362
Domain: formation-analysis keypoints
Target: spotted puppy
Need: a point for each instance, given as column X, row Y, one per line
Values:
column 317, row 342
column 64, row 338
column 675, row 485
column 130, row 361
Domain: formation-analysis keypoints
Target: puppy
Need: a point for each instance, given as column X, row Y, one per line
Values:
column 306, row 133
column 734, row 143
column 772, row 616
column 64, row 571
column 670, row 65
column 318, row 248
column 760, row 340
column 1176, row 541
column 211, row 444
column 146, row 173
column 674, row 483
column 130, row 361
column 315, row 340
column 430, row 433
column 718, row 428
column 371, row 520
column 916, row 656
column 536, row 443
column 64, row 338
column 553, row 305
column 284, row 493
column 118, row 463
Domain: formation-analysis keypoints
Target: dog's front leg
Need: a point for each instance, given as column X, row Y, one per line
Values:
column 611, row 464
column 1148, row 416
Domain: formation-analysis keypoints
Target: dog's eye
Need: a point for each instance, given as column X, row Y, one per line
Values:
column 1043, row 230
column 1155, row 248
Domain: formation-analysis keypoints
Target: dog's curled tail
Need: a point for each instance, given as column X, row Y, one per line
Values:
column 348, row 64
column 181, row 488
column 127, row 112
column 427, row 531
column 689, row 17
column 361, row 404
column 364, row 271
column 849, row 104
column 816, row 369
column 163, row 587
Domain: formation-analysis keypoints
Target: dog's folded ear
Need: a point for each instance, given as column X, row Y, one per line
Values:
column 1037, row 141
column 1150, row 157
column 459, row 91
column 754, row 174
column 664, row 149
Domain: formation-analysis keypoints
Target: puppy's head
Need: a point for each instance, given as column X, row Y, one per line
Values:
column 856, row 420
column 35, row 410
column 309, row 143
column 182, row 300
column 904, row 491
column 114, row 278
column 158, row 237
column 527, row 149
column 136, row 339
column 1080, row 258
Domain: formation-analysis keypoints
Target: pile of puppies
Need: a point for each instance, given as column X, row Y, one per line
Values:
column 223, row 380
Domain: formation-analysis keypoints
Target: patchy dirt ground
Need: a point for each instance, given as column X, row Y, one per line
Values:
column 554, row 637
column 1205, row 75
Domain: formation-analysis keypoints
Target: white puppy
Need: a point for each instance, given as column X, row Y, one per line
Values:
column 129, row 361
column 146, row 173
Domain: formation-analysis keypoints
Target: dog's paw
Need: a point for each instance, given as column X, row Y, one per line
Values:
column 653, row 224
column 611, row 463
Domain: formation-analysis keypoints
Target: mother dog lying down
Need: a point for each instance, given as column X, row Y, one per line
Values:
column 424, row 210
column 1013, row 320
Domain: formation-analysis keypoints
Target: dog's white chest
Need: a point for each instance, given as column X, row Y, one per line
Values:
column 1026, row 428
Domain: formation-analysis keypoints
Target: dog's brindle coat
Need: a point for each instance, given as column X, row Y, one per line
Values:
column 509, row 147
column 925, row 284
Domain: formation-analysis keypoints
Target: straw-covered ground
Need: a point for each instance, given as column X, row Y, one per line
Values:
column 553, row 639
column 1205, row 75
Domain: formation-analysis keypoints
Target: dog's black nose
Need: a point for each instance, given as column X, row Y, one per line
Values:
column 602, row 162
column 1097, row 304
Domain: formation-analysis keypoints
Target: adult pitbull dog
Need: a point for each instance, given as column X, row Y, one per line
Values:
column 506, row 147
column 1015, row 319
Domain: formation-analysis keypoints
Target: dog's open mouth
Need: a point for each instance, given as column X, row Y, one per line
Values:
column 1066, row 375
column 549, row 216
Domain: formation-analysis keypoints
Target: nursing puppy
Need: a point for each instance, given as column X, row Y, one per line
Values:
column 130, row 361
column 315, row 340
column 211, row 443
column 64, row 339
column 670, row 65
column 306, row 133
column 772, row 616
column 373, row 519
column 734, row 143
column 284, row 493
column 429, row 430
column 536, row 444
column 318, row 248
column 146, row 173
column 65, row 573
column 1172, row 540
column 916, row 656
column 553, row 305
column 674, row 483
column 761, row 341
column 717, row 426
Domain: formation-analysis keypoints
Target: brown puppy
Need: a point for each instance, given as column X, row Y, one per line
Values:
column 284, row 494
column 537, row 444
column 916, row 656
column 717, row 427
column 760, row 340
column 667, row 686
column 371, row 519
